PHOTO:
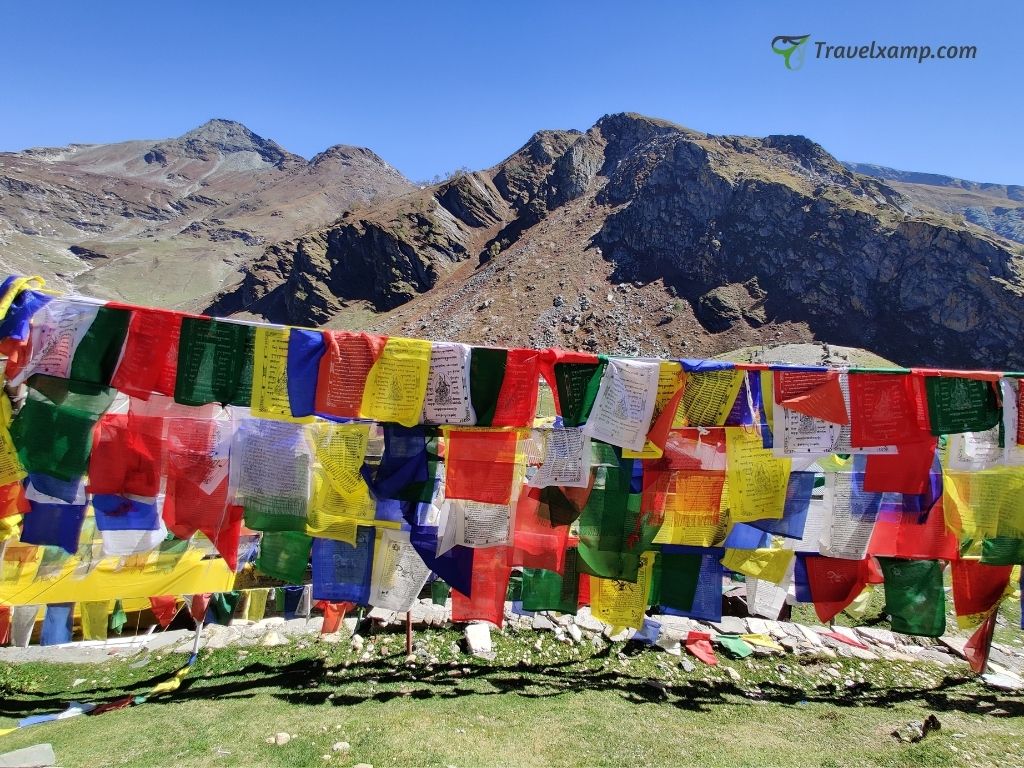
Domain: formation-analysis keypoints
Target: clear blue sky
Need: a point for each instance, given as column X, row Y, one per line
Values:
column 434, row 85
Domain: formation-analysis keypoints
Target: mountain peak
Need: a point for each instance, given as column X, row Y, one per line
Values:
column 227, row 137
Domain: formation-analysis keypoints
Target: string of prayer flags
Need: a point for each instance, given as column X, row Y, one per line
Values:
column 340, row 496
column 767, row 564
column 503, row 386
column 305, row 350
column 914, row 596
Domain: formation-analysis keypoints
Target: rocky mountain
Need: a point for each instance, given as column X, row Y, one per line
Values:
column 636, row 236
column 999, row 207
column 639, row 236
column 171, row 222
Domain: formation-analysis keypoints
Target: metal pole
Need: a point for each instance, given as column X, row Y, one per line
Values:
column 408, row 633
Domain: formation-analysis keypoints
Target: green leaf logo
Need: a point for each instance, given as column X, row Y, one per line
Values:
column 791, row 49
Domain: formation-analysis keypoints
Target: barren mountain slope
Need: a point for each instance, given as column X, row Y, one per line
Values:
column 641, row 236
column 169, row 222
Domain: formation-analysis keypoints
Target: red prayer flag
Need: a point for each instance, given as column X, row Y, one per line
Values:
column 488, row 588
column 164, row 608
column 699, row 644
column 814, row 393
column 903, row 472
column 334, row 614
column 905, row 538
column 844, row 639
column 979, row 646
column 199, row 605
column 887, row 409
column 127, row 455
column 536, row 543
column 977, row 587
column 834, row 583
column 13, row 501
column 480, row 465
column 347, row 360
column 517, row 398
column 5, row 624
column 149, row 360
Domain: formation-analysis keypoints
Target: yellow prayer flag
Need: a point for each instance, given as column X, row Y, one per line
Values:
column 397, row 382
column 763, row 640
column 757, row 480
column 767, row 564
column 708, row 397
column 94, row 619
column 340, row 498
column 622, row 603
column 270, row 376
column 11, row 470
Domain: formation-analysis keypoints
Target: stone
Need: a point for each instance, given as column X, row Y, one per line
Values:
column 687, row 665
column 575, row 633
column 542, row 622
column 341, row 746
column 478, row 639
column 279, row 739
column 272, row 639
column 730, row 625
column 36, row 756
column 732, row 673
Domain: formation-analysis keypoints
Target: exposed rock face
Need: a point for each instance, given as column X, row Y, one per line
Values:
column 708, row 241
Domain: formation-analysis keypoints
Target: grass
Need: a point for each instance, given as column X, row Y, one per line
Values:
column 556, row 705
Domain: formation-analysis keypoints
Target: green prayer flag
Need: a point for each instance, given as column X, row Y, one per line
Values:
column 961, row 405
column 486, row 374
column 735, row 646
column 914, row 596
column 99, row 350
column 284, row 555
column 118, row 618
column 606, row 523
column 439, row 592
column 223, row 605
column 215, row 362
column 1002, row 550
column 677, row 576
column 577, row 385
column 550, row 591
column 53, row 431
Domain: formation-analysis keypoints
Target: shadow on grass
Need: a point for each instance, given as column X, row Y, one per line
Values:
column 314, row 682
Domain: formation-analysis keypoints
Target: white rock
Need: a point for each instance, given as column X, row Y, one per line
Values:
column 273, row 638
column 478, row 638
column 280, row 739
column 574, row 632
column 341, row 746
